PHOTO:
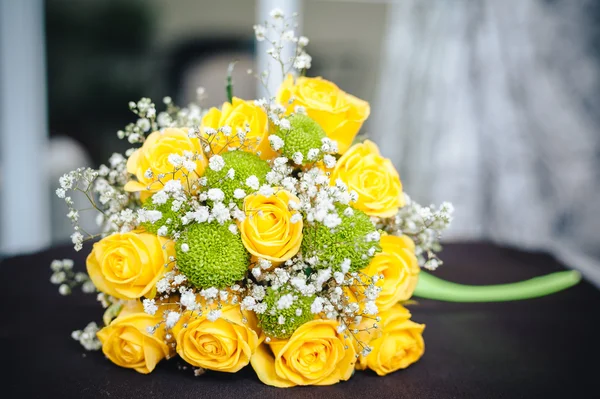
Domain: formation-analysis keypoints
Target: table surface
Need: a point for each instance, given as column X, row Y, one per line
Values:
column 546, row 347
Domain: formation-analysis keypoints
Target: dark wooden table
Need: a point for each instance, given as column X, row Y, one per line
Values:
column 542, row 348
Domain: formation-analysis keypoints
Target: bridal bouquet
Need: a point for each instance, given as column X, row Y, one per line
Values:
column 259, row 233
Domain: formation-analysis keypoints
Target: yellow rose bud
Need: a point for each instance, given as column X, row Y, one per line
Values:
column 398, row 264
column 373, row 177
column 127, row 342
column 314, row 355
column 239, row 114
column 340, row 114
column 128, row 265
column 226, row 344
column 268, row 230
column 400, row 344
column 153, row 157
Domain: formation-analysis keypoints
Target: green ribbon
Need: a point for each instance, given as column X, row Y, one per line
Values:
column 432, row 287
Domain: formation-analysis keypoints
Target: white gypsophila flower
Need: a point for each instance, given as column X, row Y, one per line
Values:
column 209, row 293
column 220, row 212
column 231, row 174
column 264, row 263
column 303, row 61
column 185, row 247
column 233, row 228
column 64, row 289
column 296, row 217
column 77, row 239
column 150, row 306
column 162, row 231
column 209, row 131
column 163, row 119
column 248, row 303
column 284, row 124
column 317, row 306
column 179, row 279
column 175, row 159
column 288, row 36
column 285, row 301
column 216, row 163
column 329, row 161
column 281, row 320
column 260, row 308
column 213, row 315
column 258, row 292
column 172, row 319
column 226, row 130
column 160, row 197
column 238, row 193
column 303, row 41
column 88, row 287
column 312, row 154
column 253, row 182
column 256, row 272
column 260, row 32
column 163, row 285
column 189, row 165
column 216, row 194
column 266, row 190
column 338, row 277
column 345, row 266
column 188, row 300
column 276, row 142
column 370, row 308
column 332, row 220
column 58, row 277
column 87, row 337
column 297, row 157
column 147, row 215
column 277, row 13
column 173, row 186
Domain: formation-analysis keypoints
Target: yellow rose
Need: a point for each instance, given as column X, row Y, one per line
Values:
column 400, row 344
column 340, row 114
column 373, row 177
column 128, row 265
column 239, row 114
column 153, row 156
column 127, row 342
column 398, row 264
column 226, row 344
column 268, row 231
column 314, row 355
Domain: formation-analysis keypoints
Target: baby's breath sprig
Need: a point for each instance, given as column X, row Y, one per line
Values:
column 279, row 32
column 424, row 225
column 66, row 279
column 87, row 337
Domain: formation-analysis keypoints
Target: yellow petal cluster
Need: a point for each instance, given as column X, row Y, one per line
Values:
column 373, row 177
column 340, row 114
column 128, row 265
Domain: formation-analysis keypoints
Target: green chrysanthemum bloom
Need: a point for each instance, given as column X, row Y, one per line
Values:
column 303, row 135
column 281, row 322
column 346, row 241
column 169, row 218
column 244, row 164
column 210, row 255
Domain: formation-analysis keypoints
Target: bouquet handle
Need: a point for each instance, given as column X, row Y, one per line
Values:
column 431, row 287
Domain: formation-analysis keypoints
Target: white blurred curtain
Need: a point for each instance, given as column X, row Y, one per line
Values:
column 493, row 105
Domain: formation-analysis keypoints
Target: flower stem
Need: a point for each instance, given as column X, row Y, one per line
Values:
column 432, row 287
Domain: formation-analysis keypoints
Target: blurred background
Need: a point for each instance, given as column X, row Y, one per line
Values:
column 493, row 105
